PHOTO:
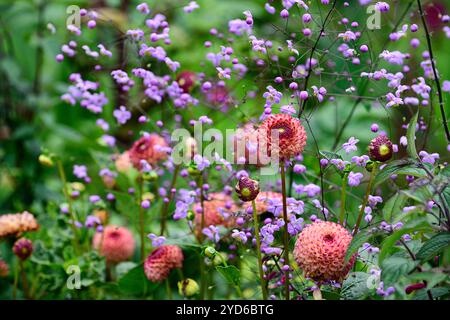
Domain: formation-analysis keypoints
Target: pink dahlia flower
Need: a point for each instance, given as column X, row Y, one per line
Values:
column 148, row 148
column 262, row 201
column 161, row 261
column 291, row 135
column 116, row 244
column 219, row 209
column 320, row 251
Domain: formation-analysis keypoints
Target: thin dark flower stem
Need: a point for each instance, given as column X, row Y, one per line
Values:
column 16, row 282
column 285, row 231
column 24, row 280
column 436, row 76
column 258, row 251
column 366, row 82
column 413, row 257
column 165, row 206
column 366, row 198
column 343, row 198
column 203, row 279
column 322, row 29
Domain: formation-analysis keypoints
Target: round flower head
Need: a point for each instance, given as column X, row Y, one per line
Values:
column 161, row 261
column 320, row 251
column 380, row 149
column 116, row 244
column 186, row 80
column 247, row 189
column 291, row 135
column 148, row 148
column 218, row 210
column 262, row 201
column 4, row 269
column 16, row 224
column 218, row 96
column 23, row 248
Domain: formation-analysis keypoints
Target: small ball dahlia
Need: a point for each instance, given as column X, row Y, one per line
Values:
column 16, row 224
column 291, row 135
column 161, row 261
column 320, row 251
column 116, row 244
column 123, row 162
column 247, row 189
column 218, row 208
column 186, row 80
column 380, row 148
column 4, row 269
column 23, row 248
column 262, row 201
column 148, row 148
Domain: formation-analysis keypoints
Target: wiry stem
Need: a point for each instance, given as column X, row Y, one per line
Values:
column 366, row 197
column 285, row 231
column 141, row 218
column 258, row 251
column 165, row 206
column 343, row 198
column 436, row 76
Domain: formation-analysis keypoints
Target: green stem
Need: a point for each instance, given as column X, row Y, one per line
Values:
column 62, row 176
column 258, row 251
column 366, row 197
column 343, row 198
column 24, row 280
column 285, row 231
column 16, row 281
column 169, row 290
column 165, row 206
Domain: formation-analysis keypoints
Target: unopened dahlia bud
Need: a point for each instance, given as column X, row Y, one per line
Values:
column 23, row 248
column 320, row 251
column 186, row 80
column 413, row 287
column 247, row 189
column 45, row 160
column 219, row 259
column 4, row 269
column 150, row 175
column 210, row 252
column 380, row 148
column 193, row 171
column 161, row 261
column 188, row 287
column 190, row 215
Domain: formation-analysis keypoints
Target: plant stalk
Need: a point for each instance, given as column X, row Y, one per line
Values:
column 258, row 251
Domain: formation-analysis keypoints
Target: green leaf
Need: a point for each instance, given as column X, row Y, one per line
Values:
column 436, row 292
column 432, row 278
column 433, row 246
column 355, row 286
column 411, row 136
column 357, row 241
column 230, row 273
column 396, row 266
column 399, row 167
column 134, row 282
column 393, row 205
column 389, row 242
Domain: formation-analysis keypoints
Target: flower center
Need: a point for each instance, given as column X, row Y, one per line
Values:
column 384, row 150
column 328, row 238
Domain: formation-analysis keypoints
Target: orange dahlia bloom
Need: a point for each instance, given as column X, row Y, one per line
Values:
column 148, row 148
column 17, row 223
column 216, row 204
column 161, row 261
column 116, row 244
column 320, row 251
column 123, row 162
column 291, row 135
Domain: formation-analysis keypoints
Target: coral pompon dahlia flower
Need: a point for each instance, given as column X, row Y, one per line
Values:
column 320, row 251
column 115, row 243
column 218, row 210
column 161, row 261
column 291, row 135
column 148, row 148
column 17, row 223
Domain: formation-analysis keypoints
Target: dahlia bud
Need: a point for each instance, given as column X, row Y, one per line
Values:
column 23, row 248
column 193, row 171
column 45, row 160
column 247, row 189
column 4, row 269
column 186, row 80
column 380, row 148
column 413, row 287
column 219, row 259
column 210, row 252
column 188, row 287
column 190, row 215
column 150, row 176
